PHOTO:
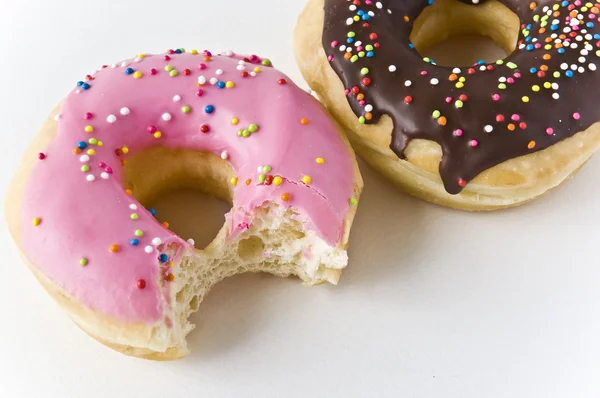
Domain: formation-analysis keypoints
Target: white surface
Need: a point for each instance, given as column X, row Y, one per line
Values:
column 435, row 303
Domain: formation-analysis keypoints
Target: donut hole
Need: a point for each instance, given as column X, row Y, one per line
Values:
column 453, row 33
column 188, row 189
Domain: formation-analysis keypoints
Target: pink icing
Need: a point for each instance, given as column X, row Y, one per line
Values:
column 82, row 218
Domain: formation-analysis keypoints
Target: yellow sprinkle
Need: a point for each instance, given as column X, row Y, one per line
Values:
column 229, row 84
column 141, row 56
column 459, row 85
column 306, row 180
column 100, row 143
column 125, row 150
column 277, row 180
column 547, row 85
column 157, row 134
column 137, row 74
column 88, row 129
column 91, row 152
column 525, row 99
column 235, row 121
column 194, row 52
column 36, row 221
column 356, row 18
column 234, row 180
column 320, row 160
column 462, row 79
column 171, row 264
column 548, row 47
column 535, row 88
column 257, row 69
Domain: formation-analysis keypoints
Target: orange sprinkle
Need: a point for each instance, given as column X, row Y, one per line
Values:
column 170, row 277
column 285, row 196
column 360, row 97
column 556, row 14
column 368, row 116
column 76, row 151
column 573, row 14
column 347, row 56
column 165, row 224
column 442, row 121
column 542, row 30
column 546, row 57
column 452, row 77
column 114, row 248
column 128, row 192
column 548, row 39
column 544, row 68
column 207, row 58
column 511, row 127
column 595, row 10
column 531, row 145
column 532, row 5
column 304, row 121
column 562, row 37
column 248, row 181
column 406, row 18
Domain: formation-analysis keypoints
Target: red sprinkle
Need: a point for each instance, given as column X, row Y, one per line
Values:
column 199, row 93
column 187, row 72
column 244, row 74
column 282, row 81
column 366, row 81
column 373, row 36
column 202, row 66
column 499, row 118
column 408, row 99
column 204, row 128
column 153, row 71
column 462, row 182
column 41, row 156
column 523, row 125
column 152, row 129
column 88, row 116
column 167, row 58
column 141, row 284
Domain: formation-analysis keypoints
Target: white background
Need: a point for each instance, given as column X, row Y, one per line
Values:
column 434, row 303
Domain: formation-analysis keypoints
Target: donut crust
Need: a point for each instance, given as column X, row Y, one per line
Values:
column 508, row 184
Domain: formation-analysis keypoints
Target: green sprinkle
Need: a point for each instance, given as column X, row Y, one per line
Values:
column 545, row 18
column 85, row 168
column 354, row 58
column 362, row 120
column 239, row 133
column 500, row 62
column 182, row 50
column 353, row 201
column 543, row 24
column 93, row 141
column 246, row 133
column 536, row 18
column 436, row 114
column 168, row 68
column 173, row 73
column 262, row 178
column 511, row 65
column 459, row 104
column 185, row 109
column 364, row 71
column 426, row 59
column 556, row 75
column 266, row 169
column 134, row 216
column 83, row 261
column 253, row 128
column 351, row 34
column 501, row 86
column 369, row 47
column 362, row 54
column 597, row 53
column 139, row 232
column 266, row 62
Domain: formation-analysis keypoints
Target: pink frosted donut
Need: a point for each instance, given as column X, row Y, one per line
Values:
column 227, row 125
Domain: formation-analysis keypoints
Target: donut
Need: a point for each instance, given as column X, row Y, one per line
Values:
column 227, row 125
column 480, row 137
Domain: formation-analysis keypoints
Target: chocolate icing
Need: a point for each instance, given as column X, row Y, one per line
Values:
column 556, row 107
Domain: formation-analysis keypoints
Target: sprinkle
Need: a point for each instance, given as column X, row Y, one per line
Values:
column 114, row 248
column 320, row 160
column 138, row 232
column 36, row 221
column 549, row 131
column 134, row 216
column 353, row 201
column 157, row 135
column 576, row 116
column 185, row 109
column 488, row 128
column 88, row 129
column 473, row 143
column 285, row 197
column 163, row 258
column 41, row 156
column 392, row 68
column 434, row 81
column 157, row 241
column 531, row 145
column 137, row 74
column 141, row 284
column 209, row 109
column 233, row 181
column 277, row 180
column 177, row 98
column 224, row 155
column 111, row 118
column 166, row 116
column 304, row 121
column 148, row 249
column 306, row 179
column 133, row 206
column 253, row 128
column 83, row 261
column 124, row 111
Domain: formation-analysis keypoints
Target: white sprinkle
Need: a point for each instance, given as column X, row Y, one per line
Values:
column 371, row 13
column 242, row 62
column 352, row 7
column 104, row 175
column 349, row 21
column 111, row 118
column 241, row 67
column 592, row 66
column 564, row 66
column 77, row 91
column 392, row 68
column 584, row 52
column 224, row 155
column 475, row 1
column 482, row 68
column 589, row 47
column 124, row 64
column 581, row 60
column 177, row 98
column 581, row 69
column 502, row 79
column 137, row 59
column 555, row 96
column 407, row 83
column 133, row 207
column 114, row 65
column 148, row 249
column 574, row 45
column 166, row 116
column 343, row 48
column 213, row 80
column 379, row 5
column 156, row 241
column 555, row 86
column 125, row 111
column 253, row 74
column 456, row 70
column 191, row 242
column 84, row 158
column 358, row 43
column 259, row 169
column 90, row 177
column 219, row 71
column 369, row 108
column 434, row 81
column 488, row 129
column 573, row 67
column 229, row 53
column 201, row 80
column 57, row 117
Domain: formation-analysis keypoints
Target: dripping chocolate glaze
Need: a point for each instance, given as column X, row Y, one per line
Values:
column 546, row 120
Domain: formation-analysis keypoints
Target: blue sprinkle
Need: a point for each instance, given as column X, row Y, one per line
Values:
column 429, row 2
column 209, row 109
column 360, row 13
column 178, row 51
column 529, row 47
column 366, row 17
column 370, row 54
column 589, row 25
column 128, row 71
column 561, row 50
column 410, row 45
column 569, row 73
column 553, row 27
column 529, row 26
column 532, row 70
column 597, row 36
column 163, row 258
column 564, row 3
column 481, row 62
column 81, row 145
column 80, row 83
column 349, row 40
column 85, row 86
column 221, row 84
column 528, row 39
column 134, row 242
column 152, row 211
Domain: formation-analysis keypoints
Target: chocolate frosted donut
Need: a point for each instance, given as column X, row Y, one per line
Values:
column 481, row 116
